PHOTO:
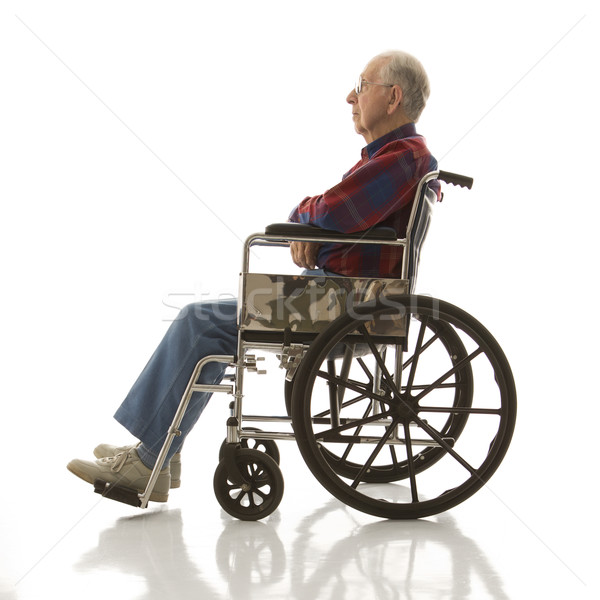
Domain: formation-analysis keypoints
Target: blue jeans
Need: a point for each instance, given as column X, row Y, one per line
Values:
column 201, row 329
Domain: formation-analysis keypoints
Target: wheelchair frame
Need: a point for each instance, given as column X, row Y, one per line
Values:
column 248, row 482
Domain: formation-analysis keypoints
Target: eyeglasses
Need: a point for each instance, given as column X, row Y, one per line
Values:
column 359, row 85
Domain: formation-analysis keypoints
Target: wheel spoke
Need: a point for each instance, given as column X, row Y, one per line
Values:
column 386, row 374
column 344, row 372
column 394, row 457
column 429, row 342
column 357, row 432
column 334, row 408
column 354, row 386
column 257, row 472
column 415, row 356
column 457, row 367
column 344, row 405
column 411, row 464
column 444, row 444
column 364, row 367
column 451, row 386
column 374, row 454
column 353, row 423
column 461, row 410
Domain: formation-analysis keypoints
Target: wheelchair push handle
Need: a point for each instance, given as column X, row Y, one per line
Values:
column 455, row 179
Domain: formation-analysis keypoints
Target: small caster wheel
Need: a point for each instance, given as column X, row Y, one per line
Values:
column 267, row 446
column 260, row 491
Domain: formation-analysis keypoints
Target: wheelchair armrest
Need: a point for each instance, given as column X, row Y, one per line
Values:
column 302, row 229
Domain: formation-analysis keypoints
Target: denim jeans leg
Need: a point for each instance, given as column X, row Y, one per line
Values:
column 200, row 330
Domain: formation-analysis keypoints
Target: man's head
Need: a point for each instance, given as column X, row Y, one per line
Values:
column 393, row 91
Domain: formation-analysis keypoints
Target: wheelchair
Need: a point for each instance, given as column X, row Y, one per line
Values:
column 402, row 405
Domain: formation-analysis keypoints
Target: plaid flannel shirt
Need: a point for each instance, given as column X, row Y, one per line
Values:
column 378, row 190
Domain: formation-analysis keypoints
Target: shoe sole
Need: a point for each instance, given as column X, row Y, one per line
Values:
column 154, row 496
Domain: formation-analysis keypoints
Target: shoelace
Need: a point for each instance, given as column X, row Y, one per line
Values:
column 119, row 460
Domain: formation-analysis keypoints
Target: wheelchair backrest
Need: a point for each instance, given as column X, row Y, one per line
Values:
column 420, row 217
column 416, row 232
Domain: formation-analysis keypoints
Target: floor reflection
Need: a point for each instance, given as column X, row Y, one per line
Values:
column 329, row 554
column 150, row 545
column 251, row 557
column 390, row 559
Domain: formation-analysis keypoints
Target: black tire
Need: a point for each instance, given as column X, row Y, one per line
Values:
column 259, row 494
column 464, row 443
column 397, row 470
column 269, row 447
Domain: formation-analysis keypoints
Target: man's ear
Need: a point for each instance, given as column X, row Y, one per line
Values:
column 395, row 99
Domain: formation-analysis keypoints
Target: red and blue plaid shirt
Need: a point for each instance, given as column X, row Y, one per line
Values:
column 378, row 190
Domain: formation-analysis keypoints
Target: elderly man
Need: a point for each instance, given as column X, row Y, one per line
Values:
column 386, row 103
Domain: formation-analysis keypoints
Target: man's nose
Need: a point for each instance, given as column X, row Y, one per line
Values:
column 351, row 98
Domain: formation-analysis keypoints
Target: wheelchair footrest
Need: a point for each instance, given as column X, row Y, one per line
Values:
column 116, row 492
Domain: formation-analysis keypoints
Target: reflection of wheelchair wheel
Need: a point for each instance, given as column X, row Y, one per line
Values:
column 250, row 557
column 267, row 446
column 445, row 348
column 259, row 491
column 445, row 429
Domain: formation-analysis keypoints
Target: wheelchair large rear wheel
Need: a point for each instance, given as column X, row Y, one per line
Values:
column 442, row 416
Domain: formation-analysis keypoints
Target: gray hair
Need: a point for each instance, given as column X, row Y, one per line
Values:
column 406, row 71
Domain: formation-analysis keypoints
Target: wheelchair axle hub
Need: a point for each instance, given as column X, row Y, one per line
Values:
column 406, row 408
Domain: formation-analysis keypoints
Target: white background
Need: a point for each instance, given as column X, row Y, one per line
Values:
column 141, row 142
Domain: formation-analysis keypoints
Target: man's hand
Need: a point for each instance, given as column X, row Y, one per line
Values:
column 304, row 254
